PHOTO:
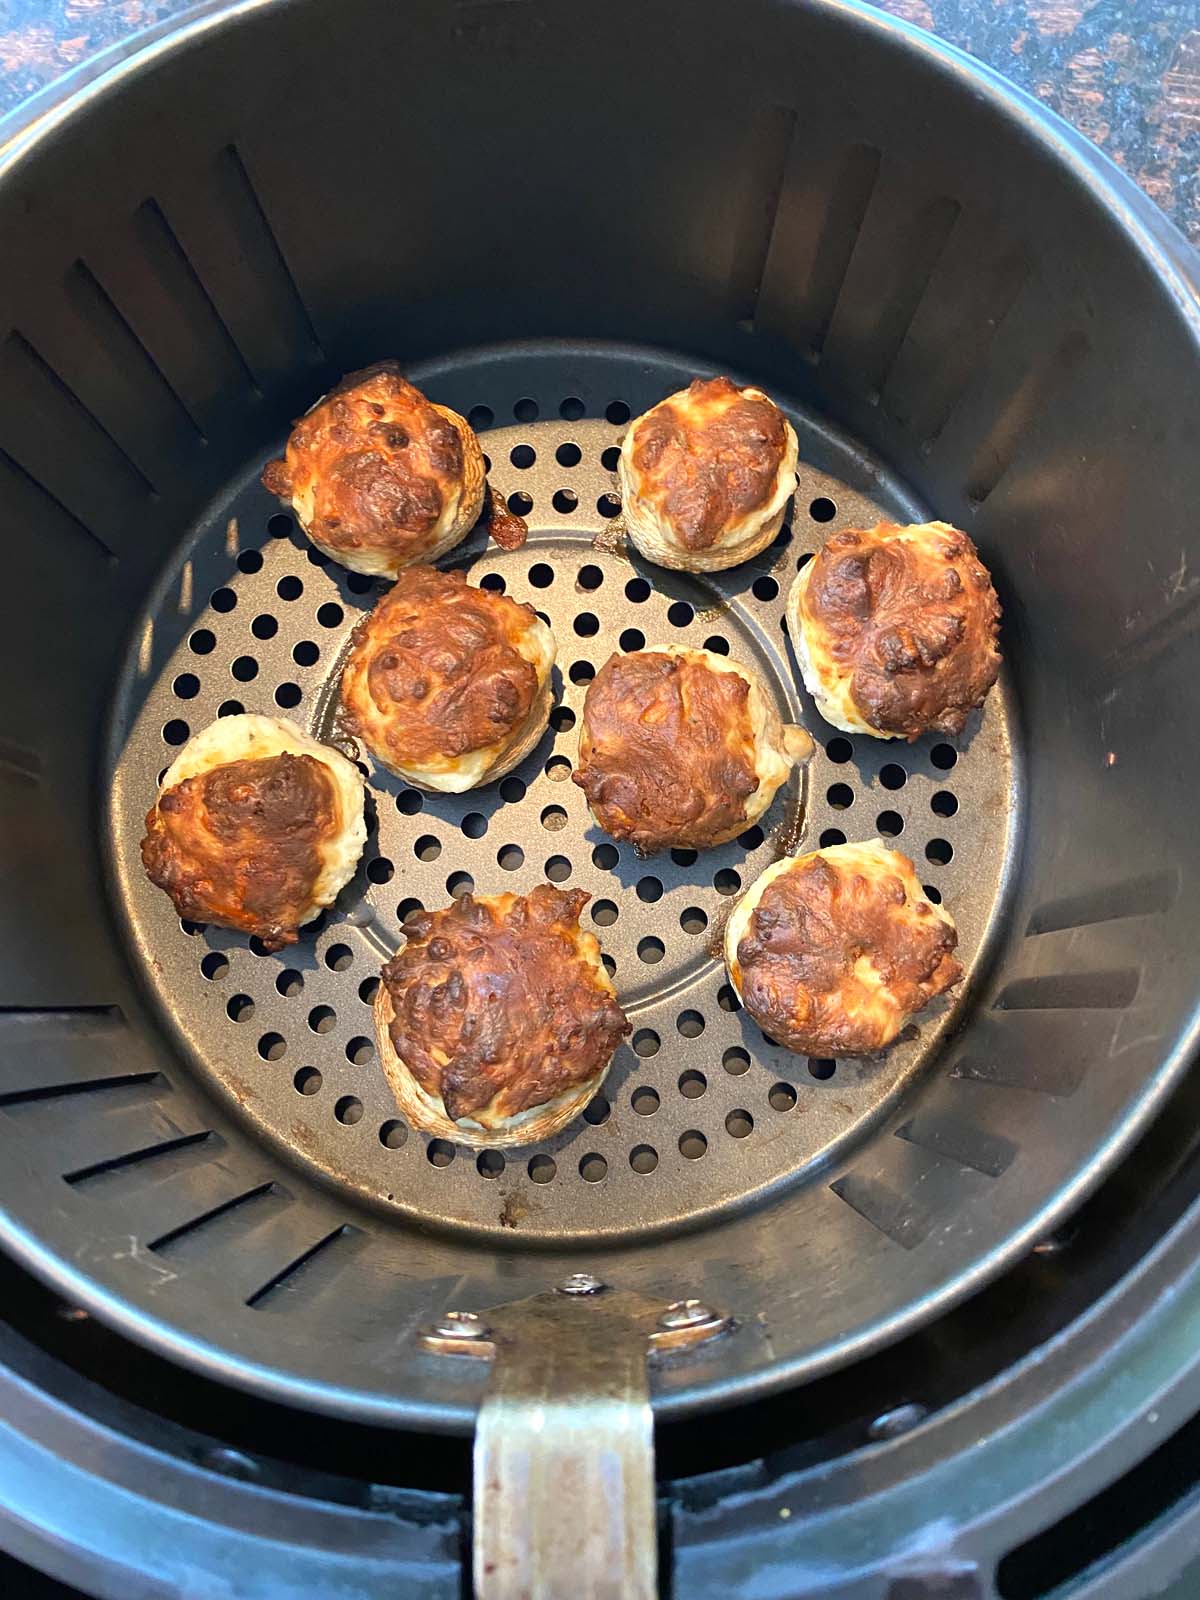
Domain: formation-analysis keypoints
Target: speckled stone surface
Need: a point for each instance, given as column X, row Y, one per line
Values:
column 42, row 39
column 1125, row 72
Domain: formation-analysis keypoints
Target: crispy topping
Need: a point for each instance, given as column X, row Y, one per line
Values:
column 707, row 457
column 667, row 750
column 497, row 1004
column 240, row 844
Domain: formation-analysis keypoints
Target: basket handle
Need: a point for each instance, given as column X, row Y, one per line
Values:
column 564, row 1445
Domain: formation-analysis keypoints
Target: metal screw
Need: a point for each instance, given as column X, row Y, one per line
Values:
column 460, row 1325
column 233, row 1463
column 1055, row 1243
column 893, row 1423
column 580, row 1283
column 685, row 1314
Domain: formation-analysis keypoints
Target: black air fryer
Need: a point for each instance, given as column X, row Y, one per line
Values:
column 914, row 1327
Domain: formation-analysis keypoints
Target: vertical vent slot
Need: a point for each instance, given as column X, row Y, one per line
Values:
column 132, row 379
column 820, row 216
column 1113, row 902
column 307, row 1268
column 1071, row 991
column 61, row 1091
column 216, row 1227
column 165, row 300
column 270, row 254
column 220, row 226
column 765, row 167
column 28, row 504
column 178, row 1152
column 960, row 1142
column 972, row 289
column 902, row 240
column 1027, row 403
column 56, row 441
column 896, row 1215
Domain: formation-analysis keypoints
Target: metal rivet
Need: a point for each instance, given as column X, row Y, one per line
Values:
column 233, row 1463
column 893, row 1423
column 580, row 1283
column 1055, row 1243
column 685, row 1314
column 460, row 1325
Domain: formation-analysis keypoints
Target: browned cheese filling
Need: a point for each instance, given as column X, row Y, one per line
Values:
column 914, row 621
column 667, row 750
column 835, row 959
column 240, row 845
column 708, row 458
column 435, row 671
column 378, row 461
column 497, row 1008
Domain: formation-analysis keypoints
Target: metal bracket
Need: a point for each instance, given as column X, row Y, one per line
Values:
column 564, row 1445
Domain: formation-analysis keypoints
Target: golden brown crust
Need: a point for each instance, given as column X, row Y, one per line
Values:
column 913, row 620
column 498, row 1006
column 376, row 467
column 435, row 671
column 240, row 844
column 840, row 952
column 708, row 457
column 667, row 751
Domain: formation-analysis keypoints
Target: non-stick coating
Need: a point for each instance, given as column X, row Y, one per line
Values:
column 972, row 315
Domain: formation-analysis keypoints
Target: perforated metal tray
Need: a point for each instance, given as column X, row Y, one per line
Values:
column 700, row 1113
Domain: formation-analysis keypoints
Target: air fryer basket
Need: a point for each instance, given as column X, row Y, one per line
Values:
column 965, row 316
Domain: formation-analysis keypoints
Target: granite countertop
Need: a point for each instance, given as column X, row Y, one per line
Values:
column 1125, row 72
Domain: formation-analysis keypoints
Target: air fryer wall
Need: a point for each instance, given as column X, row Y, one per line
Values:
column 187, row 260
